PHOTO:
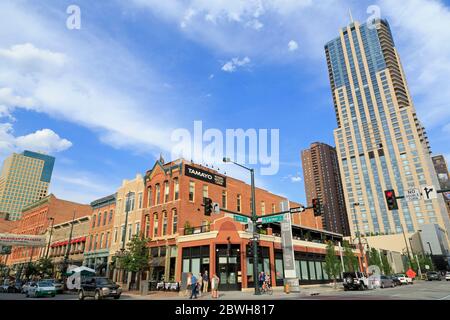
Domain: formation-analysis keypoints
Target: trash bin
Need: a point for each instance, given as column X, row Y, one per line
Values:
column 287, row 288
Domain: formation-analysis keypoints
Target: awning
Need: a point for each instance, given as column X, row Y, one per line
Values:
column 63, row 243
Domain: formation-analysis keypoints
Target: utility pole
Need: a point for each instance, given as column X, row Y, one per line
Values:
column 407, row 248
column 66, row 256
column 50, row 237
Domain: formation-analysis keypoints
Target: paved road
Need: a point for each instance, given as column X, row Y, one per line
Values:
column 421, row 290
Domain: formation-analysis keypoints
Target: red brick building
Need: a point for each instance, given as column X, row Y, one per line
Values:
column 183, row 239
column 36, row 220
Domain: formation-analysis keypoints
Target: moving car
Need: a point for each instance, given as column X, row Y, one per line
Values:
column 433, row 275
column 447, row 276
column 355, row 280
column 99, row 288
column 386, row 282
column 41, row 288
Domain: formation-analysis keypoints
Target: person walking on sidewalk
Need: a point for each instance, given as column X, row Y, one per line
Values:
column 215, row 286
column 205, row 281
column 189, row 284
column 199, row 284
column 193, row 286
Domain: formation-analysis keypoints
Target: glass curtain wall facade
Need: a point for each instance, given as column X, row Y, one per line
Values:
column 380, row 142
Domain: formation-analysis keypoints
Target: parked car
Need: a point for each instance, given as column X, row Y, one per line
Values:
column 447, row 276
column 41, row 289
column 404, row 279
column 7, row 287
column 26, row 286
column 395, row 280
column 58, row 285
column 386, row 282
column 355, row 280
column 433, row 275
column 99, row 288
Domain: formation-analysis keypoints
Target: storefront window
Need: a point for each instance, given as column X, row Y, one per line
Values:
column 319, row 270
column 186, row 265
column 312, row 271
column 325, row 275
column 279, row 269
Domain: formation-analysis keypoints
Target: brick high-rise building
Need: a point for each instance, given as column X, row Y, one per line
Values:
column 380, row 141
column 323, row 182
column 24, row 179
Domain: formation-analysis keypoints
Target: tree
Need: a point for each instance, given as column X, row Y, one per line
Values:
column 350, row 260
column 374, row 258
column 31, row 270
column 387, row 270
column 44, row 267
column 136, row 257
column 332, row 265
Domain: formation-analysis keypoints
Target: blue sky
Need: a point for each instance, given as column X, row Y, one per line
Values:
column 104, row 99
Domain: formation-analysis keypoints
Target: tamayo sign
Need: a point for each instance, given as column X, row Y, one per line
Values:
column 206, row 176
column 290, row 276
column 22, row 240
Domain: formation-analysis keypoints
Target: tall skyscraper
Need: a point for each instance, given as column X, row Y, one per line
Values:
column 24, row 179
column 380, row 142
column 323, row 182
column 440, row 165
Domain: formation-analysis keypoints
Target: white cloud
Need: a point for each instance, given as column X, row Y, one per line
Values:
column 292, row 45
column 254, row 24
column 296, row 179
column 231, row 65
column 44, row 140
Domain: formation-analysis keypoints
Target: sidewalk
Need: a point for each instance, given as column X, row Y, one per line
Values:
column 248, row 294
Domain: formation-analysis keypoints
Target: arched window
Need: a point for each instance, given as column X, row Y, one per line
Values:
column 105, row 215
column 164, row 230
column 147, row 226
column 166, row 191
column 176, row 189
column 174, row 221
column 149, row 197
column 155, row 225
column 93, row 220
column 158, row 193
column 99, row 219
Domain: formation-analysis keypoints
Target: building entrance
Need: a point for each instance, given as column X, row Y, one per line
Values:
column 228, row 266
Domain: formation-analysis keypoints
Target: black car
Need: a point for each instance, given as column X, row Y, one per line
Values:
column 432, row 275
column 99, row 288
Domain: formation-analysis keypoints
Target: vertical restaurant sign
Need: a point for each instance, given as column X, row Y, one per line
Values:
column 206, row 176
column 287, row 243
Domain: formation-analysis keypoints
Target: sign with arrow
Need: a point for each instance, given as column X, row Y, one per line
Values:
column 297, row 210
column 429, row 192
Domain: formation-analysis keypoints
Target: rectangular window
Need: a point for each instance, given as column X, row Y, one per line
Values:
column 224, row 199
column 105, row 215
column 101, row 242
column 158, row 193
column 312, row 271
column 107, row 240
column 116, row 233
column 263, row 208
column 147, row 226
column 140, row 200
column 191, row 191
column 174, row 221
column 238, row 203
column 164, row 230
column 155, row 225
column 205, row 191
column 138, row 228
column 149, row 197
column 110, row 216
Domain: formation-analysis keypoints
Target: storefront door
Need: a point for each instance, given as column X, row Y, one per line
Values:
column 228, row 266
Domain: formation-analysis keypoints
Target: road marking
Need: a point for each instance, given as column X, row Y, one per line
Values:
column 443, row 298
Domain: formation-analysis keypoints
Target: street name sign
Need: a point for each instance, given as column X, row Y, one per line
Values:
column 240, row 219
column 412, row 195
column 271, row 219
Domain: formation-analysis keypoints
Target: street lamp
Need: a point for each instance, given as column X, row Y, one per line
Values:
column 407, row 248
column 254, row 220
column 415, row 257
column 129, row 197
column 50, row 236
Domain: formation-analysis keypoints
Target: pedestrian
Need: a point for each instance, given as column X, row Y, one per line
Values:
column 267, row 280
column 261, row 279
column 189, row 284
column 205, row 281
column 199, row 284
column 193, row 286
column 215, row 286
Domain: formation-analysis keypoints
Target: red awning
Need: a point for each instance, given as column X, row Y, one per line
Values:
column 63, row 243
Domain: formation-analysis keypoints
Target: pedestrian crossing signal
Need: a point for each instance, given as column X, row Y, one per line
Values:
column 316, row 207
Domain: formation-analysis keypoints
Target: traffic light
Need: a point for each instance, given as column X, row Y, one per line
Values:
column 208, row 205
column 391, row 200
column 316, row 207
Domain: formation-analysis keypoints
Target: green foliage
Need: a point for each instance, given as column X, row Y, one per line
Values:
column 136, row 257
column 350, row 260
column 332, row 264
column 44, row 267
column 31, row 270
column 387, row 270
column 375, row 259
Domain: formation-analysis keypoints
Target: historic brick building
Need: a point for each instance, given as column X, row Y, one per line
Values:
column 36, row 220
column 100, row 234
column 183, row 239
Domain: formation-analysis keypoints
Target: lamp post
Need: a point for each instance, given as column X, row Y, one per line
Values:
column 254, row 219
column 66, row 255
column 407, row 248
column 415, row 257
column 50, row 236
column 129, row 196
